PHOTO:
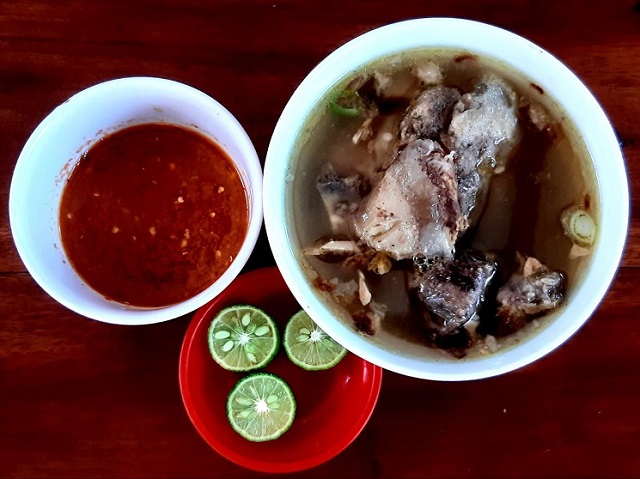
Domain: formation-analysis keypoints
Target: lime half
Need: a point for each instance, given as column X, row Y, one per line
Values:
column 310, row 347
column 243, row 338
column 261, row 407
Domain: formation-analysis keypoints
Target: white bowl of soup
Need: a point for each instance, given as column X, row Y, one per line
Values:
column 136, row 201
column 454, row 201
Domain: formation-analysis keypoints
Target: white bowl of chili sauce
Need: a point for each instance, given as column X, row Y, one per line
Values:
column 136, row 201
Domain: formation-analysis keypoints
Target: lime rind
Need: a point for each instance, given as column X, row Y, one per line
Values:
column 261, row 407
column 243, row 338
column 308, row 346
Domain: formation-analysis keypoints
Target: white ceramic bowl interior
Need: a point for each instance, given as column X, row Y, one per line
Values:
column 569, row 93
column 51, row 152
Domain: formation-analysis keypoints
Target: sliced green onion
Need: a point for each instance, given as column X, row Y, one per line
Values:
column 347, row 103
column 579, row 226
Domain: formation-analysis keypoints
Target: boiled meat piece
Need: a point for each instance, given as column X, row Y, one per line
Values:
column 341, row 197
column 451, row 291
column 484, row 123
column 429, row 114
column 414, row 208
column 530, row 292
column 367, row 322
column 484, row 129
column 429, row 73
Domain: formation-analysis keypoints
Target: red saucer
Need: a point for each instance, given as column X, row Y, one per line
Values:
column 333, row 405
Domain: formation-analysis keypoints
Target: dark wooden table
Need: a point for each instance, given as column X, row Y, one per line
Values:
column 79, row 398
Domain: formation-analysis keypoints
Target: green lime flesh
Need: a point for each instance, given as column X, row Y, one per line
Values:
column 310, row 347
column 261, row 407
column 243, row 338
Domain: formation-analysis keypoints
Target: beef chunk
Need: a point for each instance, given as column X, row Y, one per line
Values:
column 414, row 208
column 366, row 322
column 429, row 114
column 456, row 343
column 451, row 291
column 429, row 73
column 484, row 128
column 532, row 291
column 341, row 197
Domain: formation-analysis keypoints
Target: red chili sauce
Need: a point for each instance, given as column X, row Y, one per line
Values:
column 153, row 214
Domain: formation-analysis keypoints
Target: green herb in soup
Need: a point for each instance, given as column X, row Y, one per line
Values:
column 440, row 185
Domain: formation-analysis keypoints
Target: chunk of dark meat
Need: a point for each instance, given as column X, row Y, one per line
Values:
column 341, row 197
column 429, row 114
column 366, row 322
column 484, row 131
column 456, row 343
column 414, row 208
column 530, row 292
column 451, row 291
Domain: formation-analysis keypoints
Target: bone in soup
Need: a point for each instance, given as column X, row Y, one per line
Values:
column 153, row 214
column 442, row 200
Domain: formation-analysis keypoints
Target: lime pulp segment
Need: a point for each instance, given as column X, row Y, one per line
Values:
column 261, row 407
column 243, row 338
column 310, row 347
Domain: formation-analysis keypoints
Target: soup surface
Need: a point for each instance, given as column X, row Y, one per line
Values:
column 153, row 214
column 429, row 194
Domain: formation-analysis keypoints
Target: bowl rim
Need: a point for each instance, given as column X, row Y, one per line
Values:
column 120, row 313
column 409, row 34
column 203, row 314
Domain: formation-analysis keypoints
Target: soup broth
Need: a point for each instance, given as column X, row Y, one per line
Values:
column 517, row 213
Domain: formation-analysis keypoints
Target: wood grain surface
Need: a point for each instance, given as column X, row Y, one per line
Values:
column 79, row 398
